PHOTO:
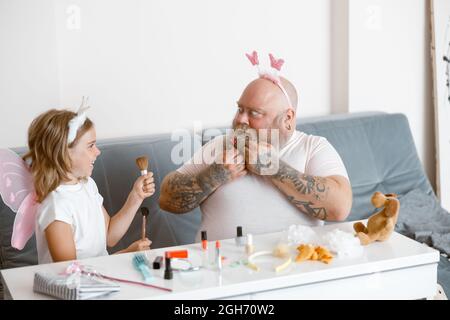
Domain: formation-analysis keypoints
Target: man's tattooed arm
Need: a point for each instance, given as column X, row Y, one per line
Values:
column 324, row 198
column 181, row 193
column 306, row 207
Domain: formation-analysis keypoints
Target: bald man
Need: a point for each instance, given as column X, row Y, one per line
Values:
column 310, row 185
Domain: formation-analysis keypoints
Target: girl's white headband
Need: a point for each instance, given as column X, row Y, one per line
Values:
column 78, row 121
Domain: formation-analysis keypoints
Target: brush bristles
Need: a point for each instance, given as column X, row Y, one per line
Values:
column 142, row 163
column 145, row 212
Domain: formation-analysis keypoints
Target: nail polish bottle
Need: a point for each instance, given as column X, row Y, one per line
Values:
column 249, row 247
column 240, row 240
column 218, row 256
column 157, row 263
column 205, row 255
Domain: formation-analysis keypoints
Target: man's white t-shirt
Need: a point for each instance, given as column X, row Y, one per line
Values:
column 254, row 202
column 79, row 205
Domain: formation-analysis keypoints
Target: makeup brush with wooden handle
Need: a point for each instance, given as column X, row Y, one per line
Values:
column 145, row 213
column 142, row 163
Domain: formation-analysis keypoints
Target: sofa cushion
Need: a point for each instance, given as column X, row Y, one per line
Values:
column 378, row 151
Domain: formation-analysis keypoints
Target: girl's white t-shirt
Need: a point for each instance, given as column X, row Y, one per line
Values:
column 79, row 205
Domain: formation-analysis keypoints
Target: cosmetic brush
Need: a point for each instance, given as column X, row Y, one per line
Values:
column 142, row 163
column 144, row 212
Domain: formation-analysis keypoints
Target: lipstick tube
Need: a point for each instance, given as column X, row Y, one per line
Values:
column 168, row 272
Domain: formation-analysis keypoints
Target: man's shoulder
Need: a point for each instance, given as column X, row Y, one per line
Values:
column 303, row 138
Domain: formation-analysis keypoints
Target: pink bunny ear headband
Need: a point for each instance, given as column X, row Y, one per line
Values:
column 272, row 75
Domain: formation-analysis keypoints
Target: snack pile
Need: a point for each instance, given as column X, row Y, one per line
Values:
column 317, row 253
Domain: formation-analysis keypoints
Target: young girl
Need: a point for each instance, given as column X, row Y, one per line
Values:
column 71, row 222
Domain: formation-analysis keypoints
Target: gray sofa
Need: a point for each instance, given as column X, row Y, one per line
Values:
column 377, row 149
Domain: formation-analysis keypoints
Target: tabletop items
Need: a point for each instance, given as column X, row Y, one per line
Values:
column 297, row 244
column 399, row 258
column 73, row 284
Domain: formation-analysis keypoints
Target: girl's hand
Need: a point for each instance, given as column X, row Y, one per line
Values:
column 144, row 186
column 139, row 245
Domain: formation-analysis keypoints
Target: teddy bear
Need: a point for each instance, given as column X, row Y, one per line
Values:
column 381, row 224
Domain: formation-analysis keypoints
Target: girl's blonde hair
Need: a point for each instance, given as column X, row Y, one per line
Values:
column 49, row 150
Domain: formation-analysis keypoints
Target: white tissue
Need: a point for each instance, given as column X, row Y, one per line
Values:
column 298, row 234
column 344, row 244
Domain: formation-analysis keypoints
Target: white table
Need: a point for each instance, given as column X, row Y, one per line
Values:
column 399, row 268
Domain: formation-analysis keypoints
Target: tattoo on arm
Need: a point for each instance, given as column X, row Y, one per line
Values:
column 188, row 192
column 306, row 207
column 305, row 185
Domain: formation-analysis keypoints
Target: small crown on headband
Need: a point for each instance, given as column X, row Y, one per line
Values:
column 272, row 76
column 78, row 120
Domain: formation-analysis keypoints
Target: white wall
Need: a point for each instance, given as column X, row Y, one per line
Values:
column 162, row 65
column 154, row 65
column 390, row 66
column 28, row 66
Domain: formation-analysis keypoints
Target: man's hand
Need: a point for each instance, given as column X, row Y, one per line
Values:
column 232, row 167
column 182, row 193
column 261, row 158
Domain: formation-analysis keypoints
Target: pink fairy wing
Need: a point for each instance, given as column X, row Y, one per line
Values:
column 17, row 192
column 16, row 181
column 24, row 222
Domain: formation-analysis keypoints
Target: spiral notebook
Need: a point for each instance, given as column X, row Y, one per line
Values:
column 88, row 288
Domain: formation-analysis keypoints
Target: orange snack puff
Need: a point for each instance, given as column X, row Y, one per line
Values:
column 309, row 252
column 306, row 251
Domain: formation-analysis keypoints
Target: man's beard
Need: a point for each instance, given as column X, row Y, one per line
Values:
column 272, row 135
